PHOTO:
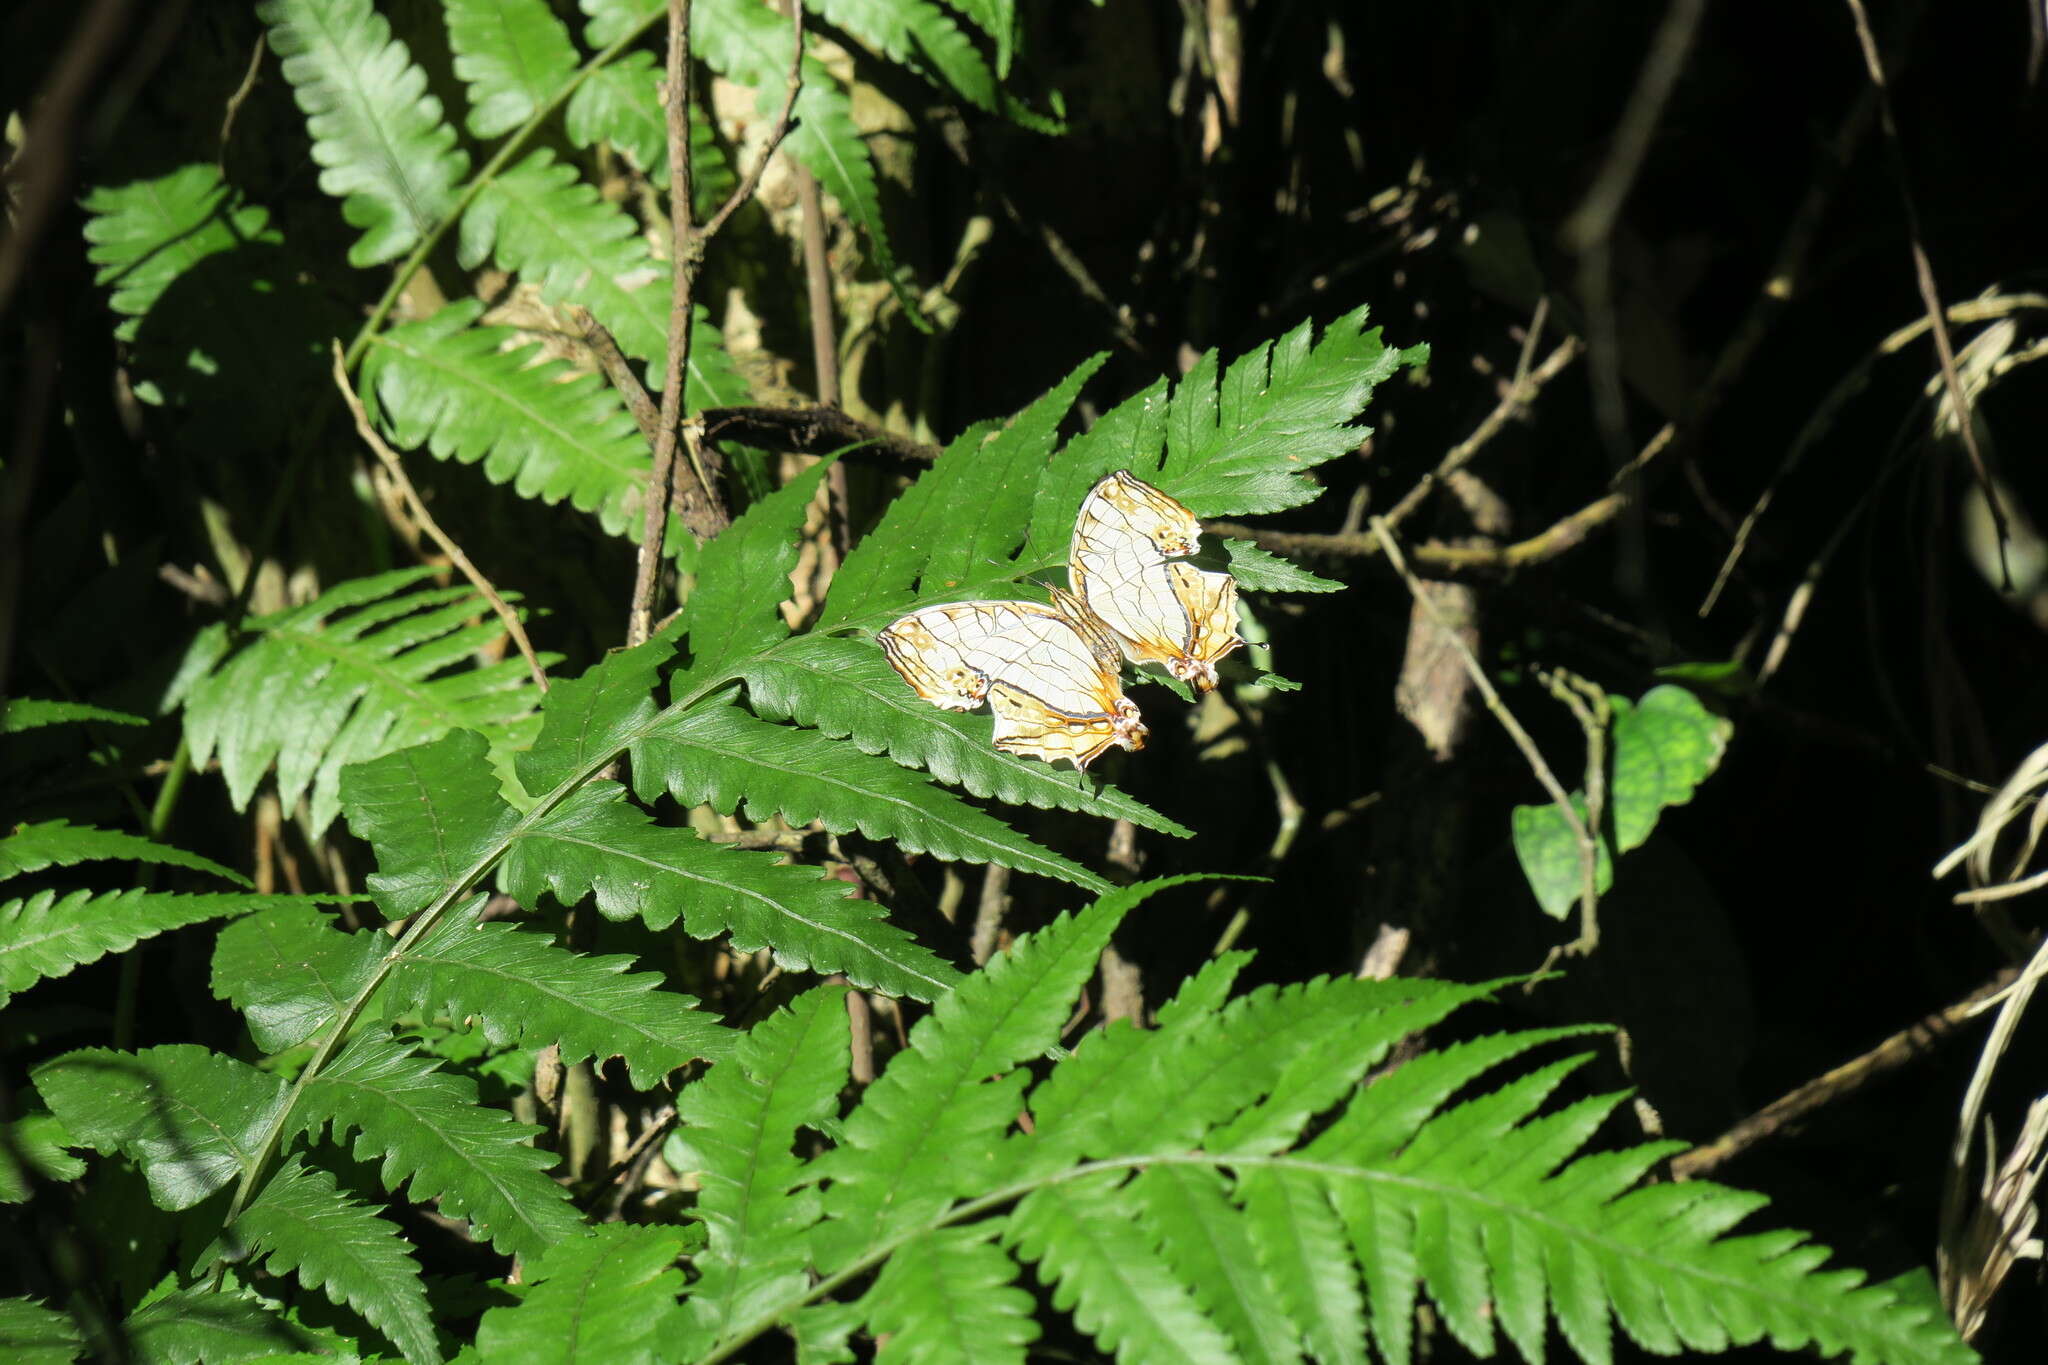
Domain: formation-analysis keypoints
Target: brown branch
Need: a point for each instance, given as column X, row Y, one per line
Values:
column 1521, row 392
column 1784, row 1114
column 604, row 348
column 433, row 528
column 1435, row 557
column 812, row 430
column 824, row 349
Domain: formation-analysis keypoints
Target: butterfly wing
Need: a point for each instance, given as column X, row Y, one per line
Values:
column 1161, row 612
column 1054, row 694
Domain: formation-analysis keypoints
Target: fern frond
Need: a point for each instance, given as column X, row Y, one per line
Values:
column 597, row 843
column 719, row 756
column 290, row 972
column 59, row 843
column 366, row 668
column 743, row 576
column 845, row 689
column 1106, row 1271
column 591, row 717
column 47, row 934
column 33, row 1334
column 998, row 19
column 194, row 1327
column 735, row 1129
column 146, row 235
column 434, row 815
column 385, row 150
column 190, row 1117
column 520, row 986
column 302, row 1223
column 512, row 54
column 1300, row 1244
column 619, row 103
column 1188, row 1212
column 920, row 35
column 34, row 1147
column 437, row 1142
column 540, row 221
column 925, row 1129
column 20, row 714
column 948, row 1297
column 550, row 431
column 1260, row 570
column 610, row 1296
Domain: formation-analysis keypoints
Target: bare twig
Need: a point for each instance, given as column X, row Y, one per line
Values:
column 824, row 344
column 1784, row 1114
column 604, row 347
column 1530, row 753
column 989, row 912
column 794, row 84
column 813, row 430
column 1923, row 276
column 1589, row 706
column 206, row 591
column 1563, row 535
column 1521, row 392
column 461, row 561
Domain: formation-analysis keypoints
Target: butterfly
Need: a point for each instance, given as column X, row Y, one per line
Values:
column 1048, row 672
column 1123, row 565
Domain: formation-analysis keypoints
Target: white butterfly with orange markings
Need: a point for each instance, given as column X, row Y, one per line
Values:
column 1123, row 564
column 1048, row 672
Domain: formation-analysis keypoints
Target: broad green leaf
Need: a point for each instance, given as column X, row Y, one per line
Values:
column 195, row 1327
column 436, row 1141
column 378, row 136
column 1665, row 745
column 598, row 843
column 302, row 1223
column 192, row 1119
column 31, row 1334
column 606, row 1299
column 1551, row 860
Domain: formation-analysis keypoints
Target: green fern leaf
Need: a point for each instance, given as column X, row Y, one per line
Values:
column 743, row 576
column 386, row 153
column 291, row 973
column 845, row 688
column 439, row 1142
column 513, row 55
column 59, row 843
column 543, row 223
column 608, row 1299
column 1262, row 571
column 146, row 235
column 948, row 1297
column 735, row 1129
column 521, row 987
column 962, row 521
column 434, row 816
column 191, row 1118
column 31, row 1334
column 921, row 36
column 360, row 671
column 301, row 1222
column 1203, row 1238
column 620, row 103
column 34, row 1148
column 998, row 19
column 590, row 718
column 194, row 1327
column 1104, row 1269
column 20, row 714
column 1300, row 1245
column 47, row 935
column 548, row 430
column 596, row 842
column 724, row 758
column 926, row 1129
